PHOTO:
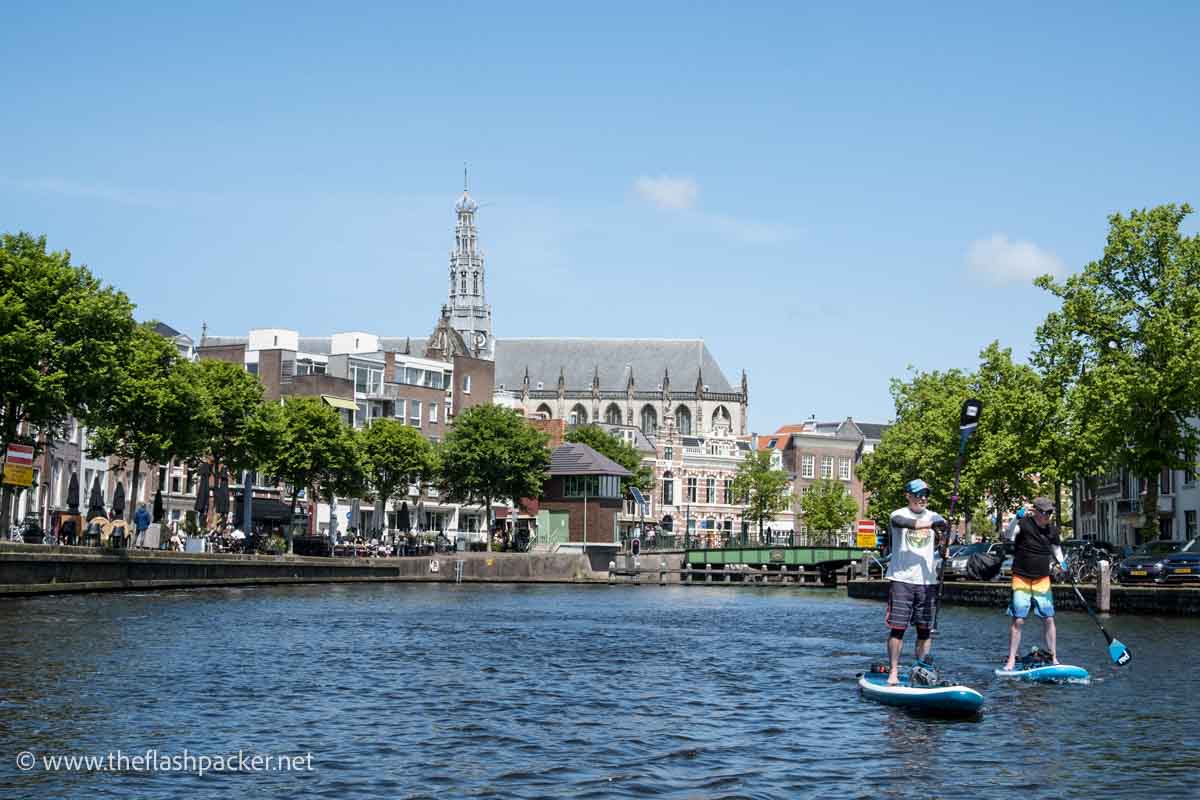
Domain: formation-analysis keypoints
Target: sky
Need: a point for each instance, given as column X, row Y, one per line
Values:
column 830, row 195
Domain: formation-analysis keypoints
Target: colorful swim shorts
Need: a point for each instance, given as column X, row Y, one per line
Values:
column 1027, row 592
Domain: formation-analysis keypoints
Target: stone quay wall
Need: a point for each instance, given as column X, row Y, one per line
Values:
column 1166, row 600
column 37, row 569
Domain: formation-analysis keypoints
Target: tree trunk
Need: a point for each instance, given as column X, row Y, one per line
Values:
column 137, row 469
column 295, row 496
column 1150, row 508
column 487, row 520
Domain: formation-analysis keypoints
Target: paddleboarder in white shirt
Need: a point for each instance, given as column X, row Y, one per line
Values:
column 912, row 593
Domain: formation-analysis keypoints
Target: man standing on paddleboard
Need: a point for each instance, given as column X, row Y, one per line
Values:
column 1037, row 541
column 912, row 593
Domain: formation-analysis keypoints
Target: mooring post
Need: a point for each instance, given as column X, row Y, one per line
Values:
column 662, row 573
column 612, row 569
column 708, row 573
column 1104, row 588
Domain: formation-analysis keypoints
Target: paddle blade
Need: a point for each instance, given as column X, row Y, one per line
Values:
column 1119, row 653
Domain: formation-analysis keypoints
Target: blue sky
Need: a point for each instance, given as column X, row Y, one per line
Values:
column 828, row 196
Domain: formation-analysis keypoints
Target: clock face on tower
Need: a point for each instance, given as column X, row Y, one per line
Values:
column 480, row 339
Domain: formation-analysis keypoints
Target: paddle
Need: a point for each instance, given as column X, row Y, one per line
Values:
column 1118, row 652
column 968, row 421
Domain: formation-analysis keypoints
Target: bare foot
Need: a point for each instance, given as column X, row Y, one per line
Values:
column 1054, row 661
column 1008, row 666
column 893, row 679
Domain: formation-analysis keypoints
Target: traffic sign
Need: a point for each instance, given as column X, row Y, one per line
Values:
column 866, row 533
column 18, row 465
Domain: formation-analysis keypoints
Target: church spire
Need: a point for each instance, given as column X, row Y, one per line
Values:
column 470, row 313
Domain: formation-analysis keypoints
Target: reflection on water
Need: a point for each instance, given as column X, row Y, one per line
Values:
column 500, row 691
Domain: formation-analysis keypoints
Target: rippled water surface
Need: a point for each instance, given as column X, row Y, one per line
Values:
column 560, row 691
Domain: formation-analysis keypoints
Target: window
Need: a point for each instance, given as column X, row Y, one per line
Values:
column 174, row 484
column 591, row 486
column 710, row 490
column 414, row 412
column 1189, row 525
column 826, row 466
column 668, row 452
column 771, row 444
column 668, row 491
column 399, row 412
column 691, row 490
column 466, row 384
column 728, row 492
column 433, row 412
column 578, row 415
column 808, row 467
column 683, row 420
column 464, row 281
column 613, row 414
column 475, row 283
column 844, row 469
column 360, row 415
column 367, row 380
column 649, row 420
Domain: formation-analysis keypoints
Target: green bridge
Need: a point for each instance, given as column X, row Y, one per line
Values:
column 763, row 557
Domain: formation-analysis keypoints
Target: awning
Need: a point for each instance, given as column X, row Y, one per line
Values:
column 338, row 402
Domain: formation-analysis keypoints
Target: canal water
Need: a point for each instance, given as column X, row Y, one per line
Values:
column 563, row 691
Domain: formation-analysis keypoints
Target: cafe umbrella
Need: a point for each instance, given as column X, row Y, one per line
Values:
column 202, row 497
column 95, row 500
column 73, row 494
column 158, row 506
column 404, row 522
column 118, row 505
column 221, row 496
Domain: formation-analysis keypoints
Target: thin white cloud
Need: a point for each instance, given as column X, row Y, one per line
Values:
column 749, row 231
column 1000, row 260
column 667, row 192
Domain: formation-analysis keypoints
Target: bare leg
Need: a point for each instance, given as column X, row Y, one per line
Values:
column 1014, row 642
column 923, row 648
column 893, row 648
column 1051, row 638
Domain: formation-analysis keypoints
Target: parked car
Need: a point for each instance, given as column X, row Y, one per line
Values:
column 1158, row 561
column 956, row 565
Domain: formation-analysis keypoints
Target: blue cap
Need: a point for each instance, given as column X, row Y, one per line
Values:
column 916, row 486
column 1020, row 512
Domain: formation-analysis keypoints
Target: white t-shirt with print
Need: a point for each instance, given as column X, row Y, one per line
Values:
column 912, row 550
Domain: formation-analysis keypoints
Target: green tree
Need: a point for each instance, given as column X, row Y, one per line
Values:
column 394, row 456
column 315, row 451
column 1125, row 347
column 922, row 443
column 152, row 411
column 492, row 453
column 828, row 508
column 232, row 398
column 61, row 335
column 761, row 487
column 620, row 451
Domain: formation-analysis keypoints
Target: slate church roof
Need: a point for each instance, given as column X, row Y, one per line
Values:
column 615, row 358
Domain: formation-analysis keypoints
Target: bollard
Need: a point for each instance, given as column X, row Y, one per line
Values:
column 708, row 573
column 865, row 568
column 1104, row 588
column 662, row 573
column 612, row 568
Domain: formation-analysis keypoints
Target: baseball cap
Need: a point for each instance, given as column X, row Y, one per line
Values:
column 1043, row 504
column 916, row 486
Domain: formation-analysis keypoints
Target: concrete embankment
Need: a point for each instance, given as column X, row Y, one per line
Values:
column 36, row 569
column 1167, row 601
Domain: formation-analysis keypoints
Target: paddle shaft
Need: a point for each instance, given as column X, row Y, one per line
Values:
column 937, row 608
column 1088, row 607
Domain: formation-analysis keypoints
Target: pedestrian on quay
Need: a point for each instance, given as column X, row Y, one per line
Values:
column 141, row 522
column 912, row 573
column 1037, row 542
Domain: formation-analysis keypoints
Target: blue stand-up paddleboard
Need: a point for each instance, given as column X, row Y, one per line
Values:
column 945, row 700
column 1047, row 673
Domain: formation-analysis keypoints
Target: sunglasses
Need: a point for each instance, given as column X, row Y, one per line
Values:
column 921, row 495
column 1049, row 513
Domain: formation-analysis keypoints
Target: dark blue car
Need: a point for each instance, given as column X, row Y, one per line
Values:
column 1161, row 562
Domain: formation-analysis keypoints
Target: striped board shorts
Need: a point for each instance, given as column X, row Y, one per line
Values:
column 910, row 604
column 1027, row 592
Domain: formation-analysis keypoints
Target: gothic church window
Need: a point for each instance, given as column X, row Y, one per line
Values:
column 544, row 410
column 649, row 421
column 612, row 414
column 683, row 420
column 475, row 282
column 721, row 417
column 464, row 282
column 578, row 415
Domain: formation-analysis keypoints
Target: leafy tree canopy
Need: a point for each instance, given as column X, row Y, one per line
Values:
column 827, row 507
column 761, row 487
column 394, row 456
column 492, row 453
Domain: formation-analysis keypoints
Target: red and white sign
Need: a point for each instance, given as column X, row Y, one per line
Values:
column 20, row 455
column 866, row 526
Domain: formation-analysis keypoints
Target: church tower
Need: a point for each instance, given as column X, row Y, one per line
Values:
column 468, row 310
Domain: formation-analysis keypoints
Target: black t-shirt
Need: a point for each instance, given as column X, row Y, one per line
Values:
column 1034, row 548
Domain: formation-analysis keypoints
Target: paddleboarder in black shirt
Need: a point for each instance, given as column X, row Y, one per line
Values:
column 1036, row 542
